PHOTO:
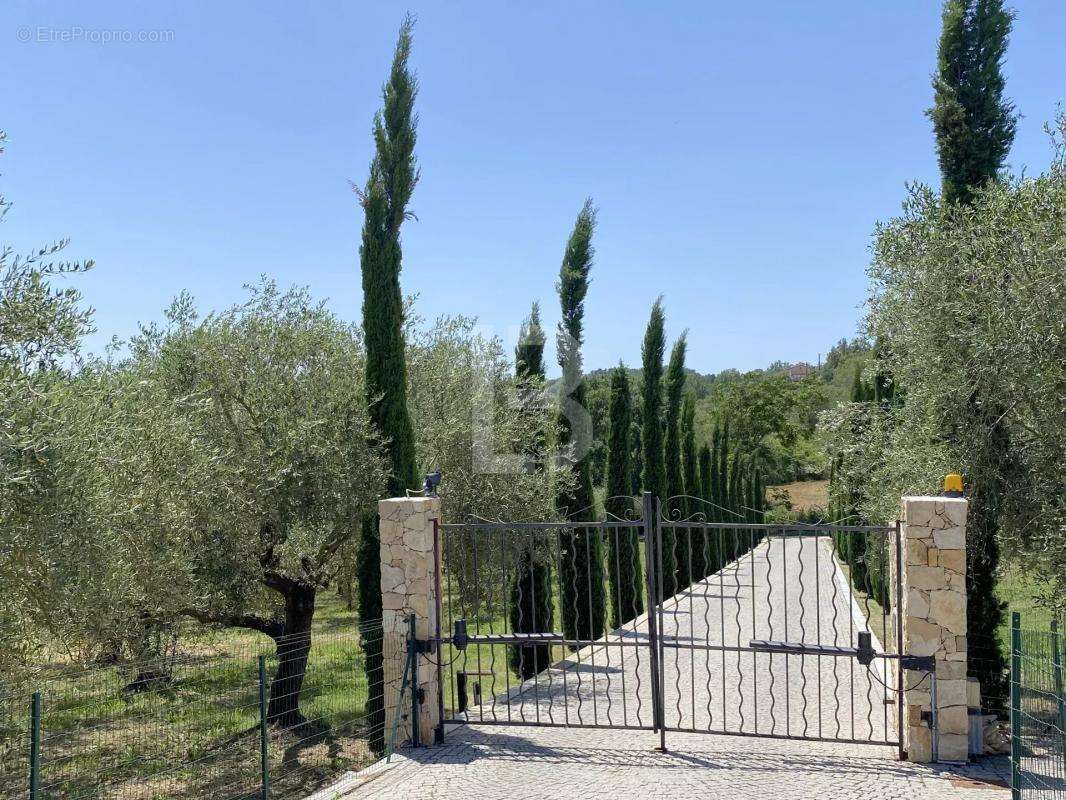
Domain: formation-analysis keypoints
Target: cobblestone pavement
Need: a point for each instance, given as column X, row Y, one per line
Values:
column 514, row 763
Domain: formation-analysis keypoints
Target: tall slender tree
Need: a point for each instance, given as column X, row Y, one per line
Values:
column 690, row 472
column 529, row 353
column 623, row 548
column 690, row 469
column 530, row 375
column 392, row 179
column 583, row 594
column 675, row 562
column 728, row 536
column 651, row 429
column 975, row 125
column 858, row 386
column 531, row 609
column 706, row 475
column 709, row 472
column 734, row 492
column 636, row 453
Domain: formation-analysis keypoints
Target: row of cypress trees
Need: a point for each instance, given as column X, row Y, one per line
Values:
column 867, row 556
column 710, row 483
column 651, row 447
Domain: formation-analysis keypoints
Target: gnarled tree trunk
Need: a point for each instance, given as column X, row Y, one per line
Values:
column 293, row 647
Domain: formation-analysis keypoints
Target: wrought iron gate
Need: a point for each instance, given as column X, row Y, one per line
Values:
column 673, row 619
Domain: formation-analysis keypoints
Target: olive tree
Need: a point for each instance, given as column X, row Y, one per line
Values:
column 273, row 387
column 488, row 434
column 969, row 300
column 41, row 327
column 474, row 425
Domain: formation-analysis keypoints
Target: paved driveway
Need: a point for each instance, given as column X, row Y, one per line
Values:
column 784, row 589
column 516, row 763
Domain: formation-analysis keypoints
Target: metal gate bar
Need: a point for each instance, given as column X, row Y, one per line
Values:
column 579, row 676
column 774, row 560
column 703, row 648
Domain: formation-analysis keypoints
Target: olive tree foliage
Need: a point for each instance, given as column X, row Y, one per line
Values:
column 41, row 327
column 481, row 428
column 489, row 436
column 107, row 538
column 274, row 388
column 971, row 302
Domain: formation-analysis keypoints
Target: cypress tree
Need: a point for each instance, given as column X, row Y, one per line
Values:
column 531, row 607
column 583, row 598
column 393, row 175
column 623, row 549
column 636, row 453
column 714, row 513
column 727, row 536
column 651, row 429
column 735, row 492
column 706, row 477
column 973, row 122
column 529, row 353
column 675, row 561
column 696, row 550
column 530, row 375
column 531, row 611
column 858, row 388
column 723, row 473
column 689, row 465
column 974, row 125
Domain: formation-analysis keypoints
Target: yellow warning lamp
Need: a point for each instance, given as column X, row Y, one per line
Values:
column 953, row 485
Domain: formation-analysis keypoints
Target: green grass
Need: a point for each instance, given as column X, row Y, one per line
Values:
column 197, row 734
column 1020, row 593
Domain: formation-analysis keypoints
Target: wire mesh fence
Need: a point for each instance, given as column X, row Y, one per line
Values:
column 251, row 719
column 1038, row 713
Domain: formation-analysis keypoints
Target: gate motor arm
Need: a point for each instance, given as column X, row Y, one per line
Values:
column 864, row 653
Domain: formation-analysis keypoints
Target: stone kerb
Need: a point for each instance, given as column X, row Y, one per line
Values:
column 408, row 587
column 934, row 624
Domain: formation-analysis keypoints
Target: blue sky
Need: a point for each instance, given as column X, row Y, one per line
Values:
column 739, row 154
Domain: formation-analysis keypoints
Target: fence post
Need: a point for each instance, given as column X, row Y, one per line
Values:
column 1015, row 705
column 35, row 746
column 1060, row 691
column 648, row 518
column 264, row 752
column 412, row 650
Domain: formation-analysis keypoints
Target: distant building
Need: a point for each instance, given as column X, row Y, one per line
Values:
column 798, row 372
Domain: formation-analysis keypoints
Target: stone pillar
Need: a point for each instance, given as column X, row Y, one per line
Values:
column 408, row 587
column 934, row 624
